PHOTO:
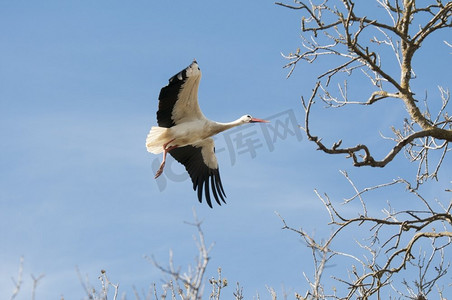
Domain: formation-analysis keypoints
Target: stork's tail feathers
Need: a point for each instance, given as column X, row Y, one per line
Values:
column 156, row 139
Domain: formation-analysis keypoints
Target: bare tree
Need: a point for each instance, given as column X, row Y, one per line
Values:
column 391, row 248
column 356, row 40
column 192, row 279
column 189, row 285
column 177, row 284
column 336, row 29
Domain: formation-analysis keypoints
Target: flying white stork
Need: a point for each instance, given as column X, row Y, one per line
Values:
column 185, row 133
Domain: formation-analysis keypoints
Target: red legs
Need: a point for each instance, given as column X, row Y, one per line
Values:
column 165, row 151
column 162, row 165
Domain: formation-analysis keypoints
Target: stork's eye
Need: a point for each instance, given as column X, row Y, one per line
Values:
column 248, row 116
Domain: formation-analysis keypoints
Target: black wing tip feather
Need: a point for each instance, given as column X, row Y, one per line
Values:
column 210, row 182
column 204, row 179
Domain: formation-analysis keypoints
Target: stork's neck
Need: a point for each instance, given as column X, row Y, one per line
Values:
column 218, row 127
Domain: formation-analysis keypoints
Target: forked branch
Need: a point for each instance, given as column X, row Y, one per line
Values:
column 355, row 41
column 388, row 251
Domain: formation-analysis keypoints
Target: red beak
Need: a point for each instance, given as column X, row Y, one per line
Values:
column 255, row 120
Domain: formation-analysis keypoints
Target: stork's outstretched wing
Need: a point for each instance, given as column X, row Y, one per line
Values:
column 202, row 166
column 178, row 101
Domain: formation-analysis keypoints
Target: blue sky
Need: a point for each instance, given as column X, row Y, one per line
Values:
column 79, row 87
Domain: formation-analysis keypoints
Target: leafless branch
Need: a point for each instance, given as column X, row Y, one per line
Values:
column 217, row 285
column 106, row 283
column 389, row 251
column 18, row 281
column 192, row 280
column 35, row 284
column 353, row 39
column 238, row 294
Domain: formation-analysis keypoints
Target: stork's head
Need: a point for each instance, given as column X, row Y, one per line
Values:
column 250, row 119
